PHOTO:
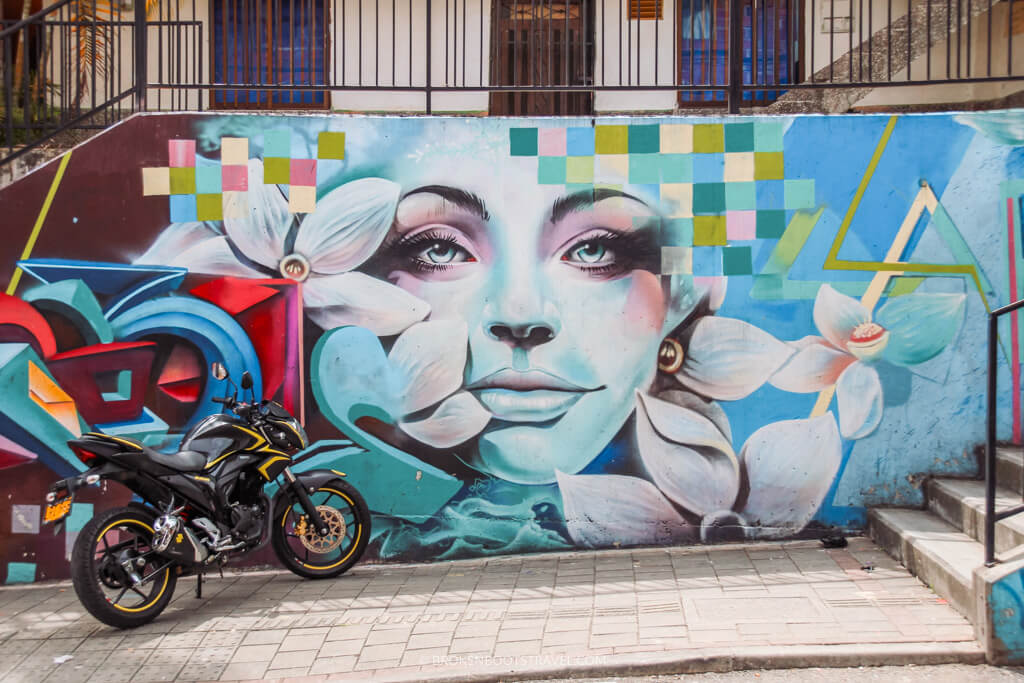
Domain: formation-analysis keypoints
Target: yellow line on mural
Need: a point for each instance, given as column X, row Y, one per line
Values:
column 27, row 251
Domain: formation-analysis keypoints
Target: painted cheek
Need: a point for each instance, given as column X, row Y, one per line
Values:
column 644, row 310
column 453, row 299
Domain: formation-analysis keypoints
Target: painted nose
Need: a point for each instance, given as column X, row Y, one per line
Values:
column 522, row 336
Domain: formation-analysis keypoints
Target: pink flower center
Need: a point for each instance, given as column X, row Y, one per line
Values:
column 295, row 267
column 866, row 333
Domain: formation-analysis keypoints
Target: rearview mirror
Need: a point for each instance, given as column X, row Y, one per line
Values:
column 246, row 381
column 219, row 371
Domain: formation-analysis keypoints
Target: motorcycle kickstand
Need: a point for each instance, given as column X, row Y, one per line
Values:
column 199, row 586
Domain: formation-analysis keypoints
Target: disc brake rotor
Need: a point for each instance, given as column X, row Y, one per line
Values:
column 335, row 523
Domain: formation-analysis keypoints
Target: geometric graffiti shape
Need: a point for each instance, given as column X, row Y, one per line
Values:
column 21, row 323
column 12, row 453
column 233, row 294
column 51, row 398
column 28, row 395
column 73, row 300
column 124, row 284
column 107, row 381
column 147, row 428
column 24, row 519
column 182, row 375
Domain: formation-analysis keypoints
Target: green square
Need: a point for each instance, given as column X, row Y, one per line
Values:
column 644, row 169
column 330, row 145
column 644, row 139
column 522, row 142
column 740, row 196
column 708, row 231
column 767, row 137
column 708, row 138
column 579, row 169
column 611, row 140
column 799, row 194
column 277, row 171
column 183, row 180
column 676, row 168
column 736, row 261
column 551, row 170
column 209, row 207
column 770, row 224
column 277, row 143
column 739, row 137
column 708, row 198
column 768, row 166
column 677, row 232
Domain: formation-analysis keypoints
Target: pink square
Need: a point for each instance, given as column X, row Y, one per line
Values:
column 182, row 153
column 234, row 178
column 551, row 142
column 740, row 225
column 303, row 172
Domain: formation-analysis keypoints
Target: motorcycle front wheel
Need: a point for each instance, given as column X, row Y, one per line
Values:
column 117, row 575
column 314, row 556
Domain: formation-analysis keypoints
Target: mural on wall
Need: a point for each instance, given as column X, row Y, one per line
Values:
column 520, row 335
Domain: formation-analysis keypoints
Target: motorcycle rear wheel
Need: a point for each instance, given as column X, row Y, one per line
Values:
column 104, row 545
column 303, row 551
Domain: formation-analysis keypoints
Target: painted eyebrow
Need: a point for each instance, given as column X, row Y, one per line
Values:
column 461, row 198
column 585, row 199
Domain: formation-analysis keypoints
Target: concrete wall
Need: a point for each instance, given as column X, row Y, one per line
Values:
column 522, row 334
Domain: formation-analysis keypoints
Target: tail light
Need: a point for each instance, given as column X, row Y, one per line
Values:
column 82, row 454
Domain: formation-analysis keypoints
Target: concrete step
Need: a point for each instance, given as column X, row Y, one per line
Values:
column 1010, row 467
column 936, row 552
column 961, row 502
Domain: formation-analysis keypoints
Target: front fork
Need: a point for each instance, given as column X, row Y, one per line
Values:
column 306, row 502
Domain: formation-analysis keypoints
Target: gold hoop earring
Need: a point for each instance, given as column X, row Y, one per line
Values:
column 670, row 356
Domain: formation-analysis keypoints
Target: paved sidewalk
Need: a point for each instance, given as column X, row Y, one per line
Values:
column 657, row 610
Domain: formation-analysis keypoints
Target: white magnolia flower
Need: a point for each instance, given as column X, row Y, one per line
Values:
column 319, row 249
column 909, row 329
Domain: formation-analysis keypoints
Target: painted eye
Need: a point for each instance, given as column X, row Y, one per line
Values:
column 588, row 252
column 443, row 253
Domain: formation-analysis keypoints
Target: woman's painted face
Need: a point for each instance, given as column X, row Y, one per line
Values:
column 563, row 301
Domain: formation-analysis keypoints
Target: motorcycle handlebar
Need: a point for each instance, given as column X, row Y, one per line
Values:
column 225, row 400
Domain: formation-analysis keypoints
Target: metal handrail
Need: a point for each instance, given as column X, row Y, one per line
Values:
column 991, row 517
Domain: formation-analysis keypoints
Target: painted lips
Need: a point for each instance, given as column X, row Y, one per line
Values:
column 527, row 396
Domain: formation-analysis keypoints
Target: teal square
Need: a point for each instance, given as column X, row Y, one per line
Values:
column 767, row 137
column 736, row 261
column 677, row 232
column 573, row 188
column 771, row 224
column 676, row 168
column 208, row 179
column 799, row 194
column 81, row 513
column 708, row 198
column 739, row 137
column 551, row 170
column 522, row 142
column 644, row 139
column 644, row 169
column 21, row 572
column 277, row 143
column 740, row 196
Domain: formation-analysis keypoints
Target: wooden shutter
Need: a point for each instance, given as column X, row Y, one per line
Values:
column 645, row 9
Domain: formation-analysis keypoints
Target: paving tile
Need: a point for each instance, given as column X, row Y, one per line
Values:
column 290, row 672
column 269, row 637
column 243, row 671
column 332, row 665
column 428, row 640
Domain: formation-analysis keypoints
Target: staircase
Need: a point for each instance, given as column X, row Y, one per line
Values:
column 943, row 546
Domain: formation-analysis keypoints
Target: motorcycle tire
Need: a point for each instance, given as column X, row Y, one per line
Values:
column 307, row 553
column 107, row 541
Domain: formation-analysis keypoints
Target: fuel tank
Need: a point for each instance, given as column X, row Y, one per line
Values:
column 217, row 436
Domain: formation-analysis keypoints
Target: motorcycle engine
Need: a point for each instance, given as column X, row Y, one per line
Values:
column 172, row 539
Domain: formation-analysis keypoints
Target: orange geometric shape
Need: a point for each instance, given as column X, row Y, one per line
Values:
column 51, row 398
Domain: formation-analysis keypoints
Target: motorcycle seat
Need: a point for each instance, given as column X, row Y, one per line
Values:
column 183, row 461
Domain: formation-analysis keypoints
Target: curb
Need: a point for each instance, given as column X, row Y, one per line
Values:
column 718, row 660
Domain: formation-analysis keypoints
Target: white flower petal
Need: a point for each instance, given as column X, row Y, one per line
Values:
column 348, row 225
column 790, row 466
column 431, row 358
column 859, row 395
column 705, row 408
column 608, row 509
column 728, row 359
column 815, row 366
column 358, row 299
column 173, row 240
column 458, row 419
column 686, row 456
column 262, row 233
column 836, row 315
column 213, row 256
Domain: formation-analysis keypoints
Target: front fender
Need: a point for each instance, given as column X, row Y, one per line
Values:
column 311, row 480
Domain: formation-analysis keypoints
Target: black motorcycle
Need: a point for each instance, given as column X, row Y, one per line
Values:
column 204, row 505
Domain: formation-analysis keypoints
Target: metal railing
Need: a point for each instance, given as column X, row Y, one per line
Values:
column 991, row 516
column 527, row 57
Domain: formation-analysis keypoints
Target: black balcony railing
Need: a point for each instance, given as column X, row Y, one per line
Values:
column 81, row 63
